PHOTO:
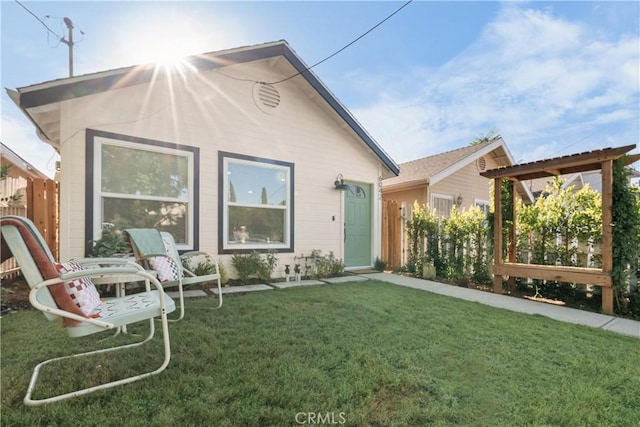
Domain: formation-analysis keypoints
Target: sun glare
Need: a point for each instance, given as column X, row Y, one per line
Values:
column 171, row 32
column 169, row 55
column 166, row 44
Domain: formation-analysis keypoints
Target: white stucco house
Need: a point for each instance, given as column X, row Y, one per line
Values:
column 233, row 151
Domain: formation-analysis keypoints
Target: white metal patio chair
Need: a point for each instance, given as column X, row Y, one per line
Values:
column 57, row 290
column 157, row 251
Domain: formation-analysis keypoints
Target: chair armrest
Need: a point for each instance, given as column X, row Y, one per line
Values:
column 95, row 272
column 190, row 254
column 101, row 262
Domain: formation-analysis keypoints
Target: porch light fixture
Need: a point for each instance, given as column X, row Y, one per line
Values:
column 459, row 200
column 339, row 182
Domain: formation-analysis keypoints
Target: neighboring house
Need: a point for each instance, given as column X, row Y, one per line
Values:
column 452, row 178
column 441, row 181
column 578, row 180
column 214, row 153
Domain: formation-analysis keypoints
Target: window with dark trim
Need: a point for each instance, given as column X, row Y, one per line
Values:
column 140, row 183
column 255, row 204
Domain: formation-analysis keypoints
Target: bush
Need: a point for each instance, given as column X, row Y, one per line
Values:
column 204, row 266
column 267, row 265
column 326, row 265
column 111, row 242
column 379, row 265
column 246, row 264
column 252, row 265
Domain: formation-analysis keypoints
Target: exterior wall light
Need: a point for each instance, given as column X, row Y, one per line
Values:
column 339, row 182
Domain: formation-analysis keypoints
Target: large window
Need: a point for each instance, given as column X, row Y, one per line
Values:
column 256, row 204
column 139, row 183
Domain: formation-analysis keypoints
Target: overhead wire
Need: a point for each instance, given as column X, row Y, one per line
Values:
column 39, row 20
column 326, row 58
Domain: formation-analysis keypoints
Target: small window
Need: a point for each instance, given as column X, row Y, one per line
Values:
column 355, row 191
column 483, row 205
column 256, row 206
column 442, row 205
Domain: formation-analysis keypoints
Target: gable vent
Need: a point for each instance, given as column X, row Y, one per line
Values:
column 266, row 97
column 482, row 164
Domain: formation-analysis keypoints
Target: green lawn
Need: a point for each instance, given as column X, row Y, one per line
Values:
column 357, row 354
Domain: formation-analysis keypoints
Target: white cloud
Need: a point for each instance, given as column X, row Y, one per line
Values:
column 544, row 83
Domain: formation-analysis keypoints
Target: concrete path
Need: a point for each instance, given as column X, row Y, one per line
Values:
column 564, row 314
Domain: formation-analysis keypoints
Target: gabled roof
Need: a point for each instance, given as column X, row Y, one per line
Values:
column 40, row 102
column 25, row 169
column 433, row 169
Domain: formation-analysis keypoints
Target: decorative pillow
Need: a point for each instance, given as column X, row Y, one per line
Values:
column 82, row 291
column 166, row 268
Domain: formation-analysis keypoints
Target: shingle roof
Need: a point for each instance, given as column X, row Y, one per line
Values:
column 427, row 167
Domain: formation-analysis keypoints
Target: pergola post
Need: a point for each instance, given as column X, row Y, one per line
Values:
column 512, row 237
column 497, row 234
column 607, row 233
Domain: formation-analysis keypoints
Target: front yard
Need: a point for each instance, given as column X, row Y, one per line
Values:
column 353, row 354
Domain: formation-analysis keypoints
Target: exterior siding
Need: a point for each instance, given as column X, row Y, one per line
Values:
column 408, row 197
column 467, row 183
column 216, row 113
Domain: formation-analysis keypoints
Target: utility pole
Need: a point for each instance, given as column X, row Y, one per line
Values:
column 69, row 43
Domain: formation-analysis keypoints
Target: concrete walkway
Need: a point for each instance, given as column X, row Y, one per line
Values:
column 564, row 314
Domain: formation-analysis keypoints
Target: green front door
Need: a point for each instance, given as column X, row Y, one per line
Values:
column 357, row 225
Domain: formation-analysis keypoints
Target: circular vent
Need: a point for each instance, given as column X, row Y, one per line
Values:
column 266, row 97
column 482, row 164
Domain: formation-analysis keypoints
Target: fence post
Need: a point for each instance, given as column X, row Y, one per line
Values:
column 51, row 193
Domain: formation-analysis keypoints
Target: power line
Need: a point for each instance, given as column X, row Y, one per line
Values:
column 328, row 57
column 346, row 46
column 39, row 20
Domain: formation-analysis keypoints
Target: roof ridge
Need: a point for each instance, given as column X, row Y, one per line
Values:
column 466, row 147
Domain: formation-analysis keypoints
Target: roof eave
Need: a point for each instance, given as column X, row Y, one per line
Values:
column 69, row 88
column 497, row 143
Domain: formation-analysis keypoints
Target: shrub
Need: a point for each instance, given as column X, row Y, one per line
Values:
column 254, row 265
column 111, row 242
column 204, row 267
column 267, row 265
column 379, row 265
column 326, row 265
column 246, row 264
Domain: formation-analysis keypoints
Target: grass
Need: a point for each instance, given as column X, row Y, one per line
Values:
column 352, row 354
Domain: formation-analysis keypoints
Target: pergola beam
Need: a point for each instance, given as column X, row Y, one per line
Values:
column 582, row 162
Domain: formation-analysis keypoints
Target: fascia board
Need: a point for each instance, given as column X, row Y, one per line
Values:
column 465, row 161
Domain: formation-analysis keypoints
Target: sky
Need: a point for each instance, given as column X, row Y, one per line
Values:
column 552, row 78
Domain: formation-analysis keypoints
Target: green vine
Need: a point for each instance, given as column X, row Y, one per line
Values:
column 626, row 235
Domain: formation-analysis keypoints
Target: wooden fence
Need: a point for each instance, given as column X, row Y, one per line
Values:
column 392, row 234
column 37, row 199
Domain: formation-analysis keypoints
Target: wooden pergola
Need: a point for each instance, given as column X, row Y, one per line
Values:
column 582, row 162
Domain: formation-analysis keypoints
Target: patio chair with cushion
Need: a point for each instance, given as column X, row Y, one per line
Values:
column 66, row 291
column 157, row 251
